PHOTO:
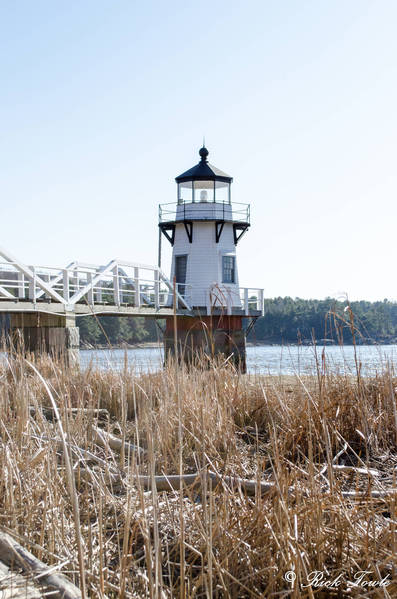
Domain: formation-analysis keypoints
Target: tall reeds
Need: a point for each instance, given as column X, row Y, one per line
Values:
column 327, row 443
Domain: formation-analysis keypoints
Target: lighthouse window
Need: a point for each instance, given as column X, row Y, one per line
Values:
column 185, row 192
column 228, row 269
column 222, row 192
column 180, row 272
column 204, row 191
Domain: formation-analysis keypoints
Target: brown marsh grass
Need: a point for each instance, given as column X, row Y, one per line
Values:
column 314, row 437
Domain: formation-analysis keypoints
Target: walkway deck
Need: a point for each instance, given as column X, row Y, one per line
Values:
column 118, row 288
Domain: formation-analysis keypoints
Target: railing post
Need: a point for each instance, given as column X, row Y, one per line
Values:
column 246, row 305
column 116, row 286
column 137, row 290
column 156, row 290
column 32, row 284
column 208, row 302
column 261, row 301
column 47, row 279
column 228, row 304
column 66, row 283
column 90, row 294
column 99, row 292
column 21, row 285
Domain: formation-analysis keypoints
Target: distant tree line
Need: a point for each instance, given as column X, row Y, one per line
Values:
column 297, row 320
column 105, row 330
column 285, row 320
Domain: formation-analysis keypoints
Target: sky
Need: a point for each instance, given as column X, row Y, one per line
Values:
column 104, row 103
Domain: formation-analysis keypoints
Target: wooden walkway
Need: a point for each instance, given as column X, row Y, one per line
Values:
column 118, row 288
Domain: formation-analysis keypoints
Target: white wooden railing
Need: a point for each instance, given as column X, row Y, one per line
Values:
column 117, row 283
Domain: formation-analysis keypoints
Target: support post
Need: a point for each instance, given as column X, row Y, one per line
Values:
column 211, row 336
column 56, row 335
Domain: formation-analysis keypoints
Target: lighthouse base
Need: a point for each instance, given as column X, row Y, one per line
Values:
column 200, row 339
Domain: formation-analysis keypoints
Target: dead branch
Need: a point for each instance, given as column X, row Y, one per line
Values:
column 173, row 482
column 48, row 412
column 106, row 440
column 13, row 554
column 355, row 469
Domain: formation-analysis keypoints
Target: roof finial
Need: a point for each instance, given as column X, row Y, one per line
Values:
column 203, row 152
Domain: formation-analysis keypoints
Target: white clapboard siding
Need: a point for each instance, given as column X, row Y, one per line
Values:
column 204, row 263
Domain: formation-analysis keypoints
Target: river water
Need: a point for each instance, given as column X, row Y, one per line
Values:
column 261, row 359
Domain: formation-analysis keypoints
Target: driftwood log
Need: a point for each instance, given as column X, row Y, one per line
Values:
column 15, row 586
column 15, row 556
column 49, row 414
column 105, row 439
column 173, row 482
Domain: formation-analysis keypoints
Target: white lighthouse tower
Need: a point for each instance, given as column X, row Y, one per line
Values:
column 204, row 228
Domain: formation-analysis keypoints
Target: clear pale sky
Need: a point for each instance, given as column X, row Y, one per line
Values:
column 103, row 103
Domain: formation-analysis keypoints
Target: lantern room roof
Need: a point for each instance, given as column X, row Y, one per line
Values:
column 204, row 171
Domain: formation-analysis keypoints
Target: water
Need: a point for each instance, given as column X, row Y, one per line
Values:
column 262, row 359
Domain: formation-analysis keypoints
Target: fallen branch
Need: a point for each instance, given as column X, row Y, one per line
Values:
column 105, row 439
column 13, row 554
column 356, row 469
column 49, row 413
column 173, row 482
column 15, row 585
column 250, row 487
column 372, row 494
column 82, row 454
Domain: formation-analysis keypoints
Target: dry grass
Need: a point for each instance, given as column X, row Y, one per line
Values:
column 202, row 542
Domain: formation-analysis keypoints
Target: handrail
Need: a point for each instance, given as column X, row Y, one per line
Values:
column 117, row 283
column 174, row 211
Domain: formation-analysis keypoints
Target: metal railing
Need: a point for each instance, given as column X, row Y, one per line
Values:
column 174, row 211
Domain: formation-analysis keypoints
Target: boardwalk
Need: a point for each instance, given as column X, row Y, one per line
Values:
column 117, row 288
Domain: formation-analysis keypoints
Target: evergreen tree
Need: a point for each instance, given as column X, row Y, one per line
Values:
column 90, row 331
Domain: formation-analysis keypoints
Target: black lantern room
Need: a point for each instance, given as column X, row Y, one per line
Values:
column 204, row 183
column 203, row 196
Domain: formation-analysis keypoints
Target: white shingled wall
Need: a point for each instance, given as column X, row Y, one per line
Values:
column 204, row 263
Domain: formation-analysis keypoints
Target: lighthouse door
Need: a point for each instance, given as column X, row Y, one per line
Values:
column 180, row 272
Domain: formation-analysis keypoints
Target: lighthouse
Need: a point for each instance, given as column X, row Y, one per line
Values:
column 204, row 227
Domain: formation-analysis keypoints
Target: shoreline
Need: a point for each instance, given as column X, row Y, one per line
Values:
column 320, row 343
